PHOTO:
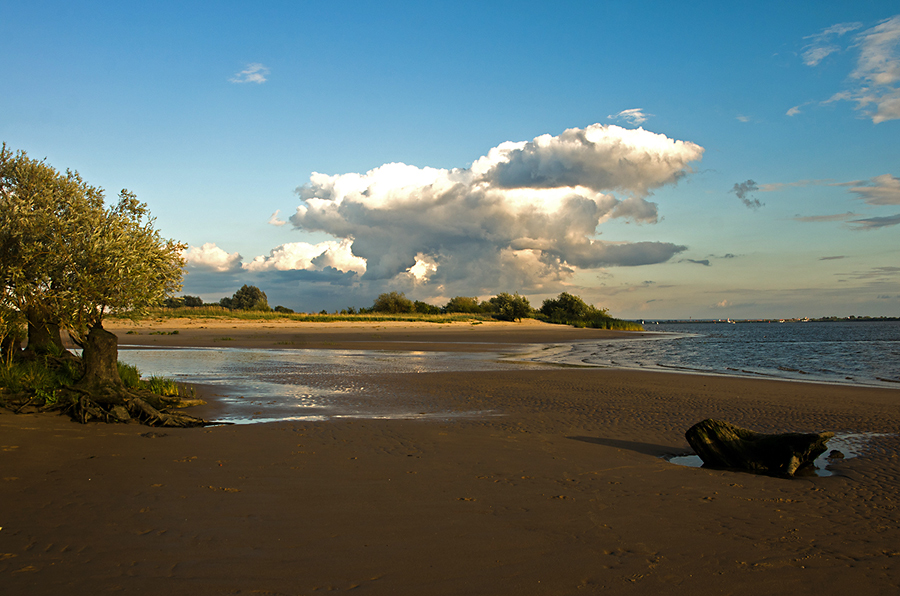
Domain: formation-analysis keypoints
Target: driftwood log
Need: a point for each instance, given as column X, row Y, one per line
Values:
column 723, row 445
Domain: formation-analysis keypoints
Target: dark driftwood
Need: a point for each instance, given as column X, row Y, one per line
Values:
column 723, row 445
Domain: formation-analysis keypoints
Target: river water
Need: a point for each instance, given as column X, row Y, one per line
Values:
column 859, row 353
column 266, row 385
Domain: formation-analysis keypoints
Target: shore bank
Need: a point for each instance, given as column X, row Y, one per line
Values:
column 563, row 491
column 340, row 335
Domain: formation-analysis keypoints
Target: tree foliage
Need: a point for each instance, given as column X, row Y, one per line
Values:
column 463, row 304
column 393, row 303
column 568, row 309
column 67, row 261
column 247, row 298
column 510, row 307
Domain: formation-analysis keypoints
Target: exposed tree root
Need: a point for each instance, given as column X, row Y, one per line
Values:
column 139, row 406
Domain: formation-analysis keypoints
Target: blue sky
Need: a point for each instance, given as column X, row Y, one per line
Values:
column 719, row 162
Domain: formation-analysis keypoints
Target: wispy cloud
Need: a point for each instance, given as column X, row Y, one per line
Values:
column 634, row 116
column 254, row 73
column 796, row 109
column 875, row 82
column 873, row 223
column 704, row 262
column 878, row 273
column 823, row 44
column 743, row 189
column 880, row 190
column 826, row 218
column 835, row 258
column 774, row 186
column 274, row 220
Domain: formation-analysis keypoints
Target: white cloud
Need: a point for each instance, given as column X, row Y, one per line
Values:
column 210, row 257
column 274, row 220
column 822, row 44
column 875, row 82
column 254, row 73
column 295, row 256
column 634, row 116
column 523, row 216
column 878, row 70
column 880, row 190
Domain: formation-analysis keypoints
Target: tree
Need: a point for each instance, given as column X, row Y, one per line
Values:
column 463, row 304
column 121, row 266
column 68, row 261
column 425, row 308
column 192, row 301
column 566, row 308
column 509, row 307
column 250, row 298
column 393, row 303
column 40, row 212
column 247, row 298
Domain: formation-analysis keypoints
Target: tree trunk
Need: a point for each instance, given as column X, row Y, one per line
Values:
column 43, row 333
column 101, row 372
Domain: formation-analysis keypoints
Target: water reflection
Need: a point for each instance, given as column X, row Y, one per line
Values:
column 271, row 385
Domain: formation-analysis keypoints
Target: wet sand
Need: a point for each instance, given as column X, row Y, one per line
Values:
column 563, row 492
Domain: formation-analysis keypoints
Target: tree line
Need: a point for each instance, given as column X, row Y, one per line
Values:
column 566, row 309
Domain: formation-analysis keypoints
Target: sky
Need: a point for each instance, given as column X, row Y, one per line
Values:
column 661, row 160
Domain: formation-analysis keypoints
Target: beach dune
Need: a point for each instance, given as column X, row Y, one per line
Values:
column 562, row 489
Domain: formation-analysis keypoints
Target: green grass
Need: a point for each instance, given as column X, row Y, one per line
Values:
column 42, row 383
column 130, row 375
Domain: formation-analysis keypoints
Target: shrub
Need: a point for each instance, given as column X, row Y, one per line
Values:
column 425, row 308
column 510, row 308
column 393, row 303
column 463, row 304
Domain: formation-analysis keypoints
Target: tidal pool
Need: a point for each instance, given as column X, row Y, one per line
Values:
column 271, row 385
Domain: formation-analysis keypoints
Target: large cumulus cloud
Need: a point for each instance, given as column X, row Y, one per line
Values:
column 523, row 216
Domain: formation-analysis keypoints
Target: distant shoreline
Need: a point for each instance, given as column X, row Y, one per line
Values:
column 468, row 336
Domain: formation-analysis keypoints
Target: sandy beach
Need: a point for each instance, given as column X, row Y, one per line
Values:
column 563, row 490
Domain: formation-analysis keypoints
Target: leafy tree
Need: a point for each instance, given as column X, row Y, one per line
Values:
column 510, row 307
column 393, row 303
column 123, row 266
column 68, row 261
column 571, row 310
column 567, row 307
column 463, row 304
column 425, row 308
column 40, row 212
column 284, row 310
column 250, row 298
column 192, row 301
